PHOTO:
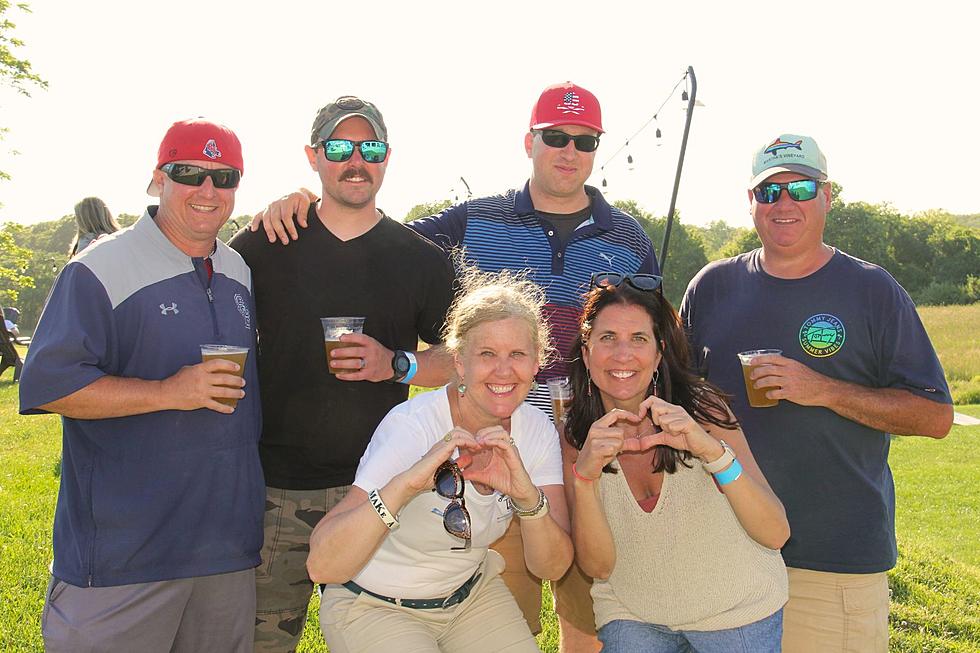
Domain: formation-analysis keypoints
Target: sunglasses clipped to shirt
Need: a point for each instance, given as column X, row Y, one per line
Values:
column 646, row 282
column 455, row 518
column 559, row 139
column 338, row 150
column 801, row 191
column 191, row 175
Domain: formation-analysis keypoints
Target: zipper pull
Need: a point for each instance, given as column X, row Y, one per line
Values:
column 210, row 296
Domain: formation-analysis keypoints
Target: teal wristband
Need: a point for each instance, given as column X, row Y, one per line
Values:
column 733, row 472
column 413, row 367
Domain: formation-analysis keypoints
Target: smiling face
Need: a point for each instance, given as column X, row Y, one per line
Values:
column 353, row 183
column 497, row 363
column 193, row 214
column 621, row 354
column 791, row 229
column 559, row 172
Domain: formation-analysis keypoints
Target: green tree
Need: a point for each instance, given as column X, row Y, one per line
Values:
column 13, row 266
column 426, row 209
column 685, row 255
column 716, row 236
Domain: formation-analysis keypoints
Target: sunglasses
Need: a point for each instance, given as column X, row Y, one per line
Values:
column 615, row 279
column 801, row 191
column 191, row 175
column 455, row 518
column 555, row 138
column 341, row 149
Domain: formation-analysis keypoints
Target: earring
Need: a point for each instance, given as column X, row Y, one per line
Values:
column 461, row 388
column 656, row 380
column 534, row 385
column 588, row 392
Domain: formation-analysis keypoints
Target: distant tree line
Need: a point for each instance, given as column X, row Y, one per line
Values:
column 934, row 255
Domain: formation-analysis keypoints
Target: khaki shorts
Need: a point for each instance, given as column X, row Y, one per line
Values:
column 831, row 613
column 487, row 621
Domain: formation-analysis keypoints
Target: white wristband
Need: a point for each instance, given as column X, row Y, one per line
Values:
column 727, row 458
column 379, row 507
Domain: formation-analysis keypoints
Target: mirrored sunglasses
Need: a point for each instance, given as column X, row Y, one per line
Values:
column 455, row 518
column 191, row 175
column 556, row 138
column 801, row 191
column 338, row 150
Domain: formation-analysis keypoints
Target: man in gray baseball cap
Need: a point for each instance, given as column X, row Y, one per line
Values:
column 355, row 261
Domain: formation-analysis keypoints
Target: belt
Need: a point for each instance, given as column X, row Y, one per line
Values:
column 423, row 604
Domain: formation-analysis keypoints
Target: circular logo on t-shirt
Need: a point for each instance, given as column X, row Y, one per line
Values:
column 822, row 335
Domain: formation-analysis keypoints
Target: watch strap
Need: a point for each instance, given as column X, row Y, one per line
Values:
column 726, row 459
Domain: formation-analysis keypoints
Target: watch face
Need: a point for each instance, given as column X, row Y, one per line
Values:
column 401, row 363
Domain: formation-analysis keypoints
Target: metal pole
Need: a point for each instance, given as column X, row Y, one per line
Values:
column 680, row 165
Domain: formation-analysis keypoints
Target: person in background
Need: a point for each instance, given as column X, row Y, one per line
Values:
column 93, row 220
column 856, row 366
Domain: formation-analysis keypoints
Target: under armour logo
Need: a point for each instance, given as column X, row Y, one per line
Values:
column 608, row 259
column 164, row 309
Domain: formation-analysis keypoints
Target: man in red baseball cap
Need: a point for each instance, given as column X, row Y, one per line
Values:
column 560, row 231
column 158, row 526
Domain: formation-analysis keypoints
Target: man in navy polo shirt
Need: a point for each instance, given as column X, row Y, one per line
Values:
column 159, row 519
column 856, row 366
column 560, row 231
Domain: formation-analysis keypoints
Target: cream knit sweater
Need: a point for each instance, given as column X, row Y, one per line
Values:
column 689, row 564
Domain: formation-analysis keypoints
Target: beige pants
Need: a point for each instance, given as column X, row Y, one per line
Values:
column 831, row 613
column 488, row 621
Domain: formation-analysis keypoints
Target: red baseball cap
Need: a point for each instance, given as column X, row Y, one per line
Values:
column 566, row 104
column 198, row 139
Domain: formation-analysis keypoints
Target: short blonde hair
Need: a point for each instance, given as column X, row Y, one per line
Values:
column 491, row 296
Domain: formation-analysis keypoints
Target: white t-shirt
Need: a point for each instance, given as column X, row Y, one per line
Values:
column 415, row 561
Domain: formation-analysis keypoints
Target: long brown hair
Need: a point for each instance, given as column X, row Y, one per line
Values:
column 674, row 382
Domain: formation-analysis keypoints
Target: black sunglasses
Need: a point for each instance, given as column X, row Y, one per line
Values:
column 614, row 279
column 191, row 175
column 556, row 138
column 455, row 518
column 801, row 190
column 338, row 150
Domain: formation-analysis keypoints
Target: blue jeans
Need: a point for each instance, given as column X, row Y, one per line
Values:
column 625, row 636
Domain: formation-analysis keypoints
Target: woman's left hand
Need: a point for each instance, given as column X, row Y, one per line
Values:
column 678, row 429
column 502, row 469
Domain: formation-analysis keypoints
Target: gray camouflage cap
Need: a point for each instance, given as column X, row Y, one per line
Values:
column 340, row 110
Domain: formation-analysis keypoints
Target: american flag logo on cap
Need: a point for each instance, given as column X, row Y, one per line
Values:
column 211, row 150
column 570, row 104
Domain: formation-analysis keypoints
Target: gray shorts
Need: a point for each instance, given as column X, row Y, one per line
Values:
column 206, row 613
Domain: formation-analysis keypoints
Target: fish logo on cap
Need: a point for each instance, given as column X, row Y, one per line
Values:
column 778, row 145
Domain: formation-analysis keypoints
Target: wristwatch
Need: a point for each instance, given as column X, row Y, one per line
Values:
column 400, row 366
column 727, row 458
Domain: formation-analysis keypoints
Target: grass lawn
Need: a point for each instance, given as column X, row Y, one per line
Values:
column 936, row 585
column 955, row 333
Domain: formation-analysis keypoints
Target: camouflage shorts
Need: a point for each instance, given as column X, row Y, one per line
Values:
column 282, row 588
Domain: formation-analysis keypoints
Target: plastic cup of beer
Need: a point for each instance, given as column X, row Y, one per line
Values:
column 333, row 328
column 231, row 353
column 757, row 396
column 561, row 396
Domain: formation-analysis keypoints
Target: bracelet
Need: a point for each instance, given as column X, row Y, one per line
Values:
column 580, row 477
column 732, row 473
column 413, row 367
column 374, row 498
column 723, row 461
column 539, row 510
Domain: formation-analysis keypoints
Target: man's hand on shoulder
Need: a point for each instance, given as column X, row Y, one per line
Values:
column 279, row 218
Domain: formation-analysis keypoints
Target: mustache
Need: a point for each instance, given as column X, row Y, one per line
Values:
column 356, row 172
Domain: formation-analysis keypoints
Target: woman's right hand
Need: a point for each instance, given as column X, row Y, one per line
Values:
column 419, row 477
column 604, row 441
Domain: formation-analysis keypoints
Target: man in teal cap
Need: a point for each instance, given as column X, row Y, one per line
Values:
column 856, row 366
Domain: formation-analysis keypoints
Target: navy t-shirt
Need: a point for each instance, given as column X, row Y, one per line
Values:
column 849, row 320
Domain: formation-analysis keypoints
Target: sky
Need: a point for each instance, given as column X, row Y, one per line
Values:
column 889, row 90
